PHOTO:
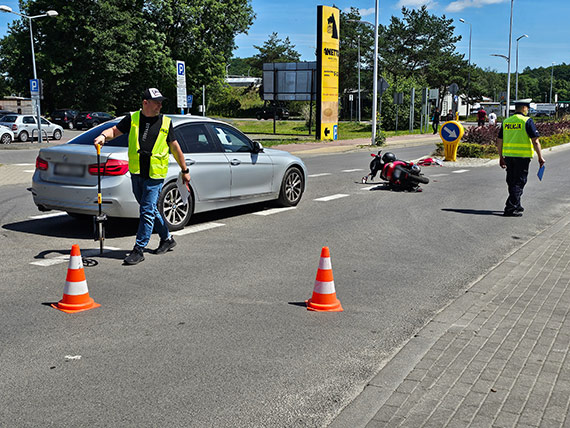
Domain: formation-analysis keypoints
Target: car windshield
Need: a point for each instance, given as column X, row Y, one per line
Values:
column 88, row 136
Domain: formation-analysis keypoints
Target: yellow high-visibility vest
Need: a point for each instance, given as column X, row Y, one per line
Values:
column 160, row 153
column 516, row 142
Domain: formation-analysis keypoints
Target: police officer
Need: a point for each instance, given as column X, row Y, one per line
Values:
column 151, row 138
column 517, row 138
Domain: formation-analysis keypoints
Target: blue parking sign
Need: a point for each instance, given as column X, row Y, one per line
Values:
column 189, row 99
column 180, row 68
column 35, row 86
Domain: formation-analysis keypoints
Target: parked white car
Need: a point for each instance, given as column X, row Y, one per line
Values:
column 227, row 169
column 25, row 127
column 6, row 136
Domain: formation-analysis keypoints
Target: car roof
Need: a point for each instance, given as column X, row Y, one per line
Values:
column 182, row 118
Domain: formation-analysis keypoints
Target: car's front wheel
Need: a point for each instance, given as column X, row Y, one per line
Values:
column 23, row 136
column 291, row 188
column 6, row 139
column 57, row 134
column 173, row 211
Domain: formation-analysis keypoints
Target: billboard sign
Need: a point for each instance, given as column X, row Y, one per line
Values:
column 328, row 42
column 289, row 81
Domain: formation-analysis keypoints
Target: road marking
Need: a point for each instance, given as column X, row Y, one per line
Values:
column 197, row 228
column 37, row 217
column 24, row 164
column 331, row 197
column 319, row 175
column 65, row 258
column 437, row 175
column 29, row 170
column 459, row 171
column 352, row 170
column 274, row 211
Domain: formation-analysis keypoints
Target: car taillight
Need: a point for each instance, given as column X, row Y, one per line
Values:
column 111, row 167
column 41, row 164
column 88, row 116
column 14, row 127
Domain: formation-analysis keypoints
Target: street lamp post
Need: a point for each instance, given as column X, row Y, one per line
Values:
column 469, row 66
column 506, row 58
column 51, row 13
column 551, row 78
column 375, row 72
column 509, row 63
column 517, row 69
column 359, row 105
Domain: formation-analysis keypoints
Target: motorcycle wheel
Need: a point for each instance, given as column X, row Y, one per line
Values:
column 418, row 178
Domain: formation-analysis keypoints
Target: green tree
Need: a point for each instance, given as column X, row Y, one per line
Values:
column 101, row 54
column 273, row 50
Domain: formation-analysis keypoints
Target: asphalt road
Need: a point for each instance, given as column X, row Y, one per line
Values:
column 215, row 333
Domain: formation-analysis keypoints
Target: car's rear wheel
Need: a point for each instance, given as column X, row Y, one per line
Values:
column 175, row 214
column 57, row 134
column 258, row 116
column 291, row 188
column 23, row 136
column 6, row 139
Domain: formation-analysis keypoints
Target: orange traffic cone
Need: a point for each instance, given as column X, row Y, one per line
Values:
column 75, row 294
column 324, row 295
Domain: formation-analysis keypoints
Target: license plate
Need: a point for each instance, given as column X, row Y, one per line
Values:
column 69, row 170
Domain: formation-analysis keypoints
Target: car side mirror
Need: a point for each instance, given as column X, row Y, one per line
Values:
column 257, row 147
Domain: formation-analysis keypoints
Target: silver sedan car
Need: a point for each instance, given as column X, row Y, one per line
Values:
column 227, row 169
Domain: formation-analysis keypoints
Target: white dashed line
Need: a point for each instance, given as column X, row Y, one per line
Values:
column 29, row 170
column 352, row 170
column 37, row 217
column 437, row 175
column 65, row 258
column 274, row 211
column 331, row 197
column 197, row 228
column 319, row 175
column 24, row 164
column 459, row 171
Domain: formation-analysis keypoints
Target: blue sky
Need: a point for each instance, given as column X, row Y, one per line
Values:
column 545, row 22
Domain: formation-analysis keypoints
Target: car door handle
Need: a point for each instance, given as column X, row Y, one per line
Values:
column 190, row 162
column 235, row 161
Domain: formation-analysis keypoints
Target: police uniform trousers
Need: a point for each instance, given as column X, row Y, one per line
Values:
column 517, row 173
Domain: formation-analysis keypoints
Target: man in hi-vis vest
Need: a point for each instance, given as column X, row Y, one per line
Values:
column 517, row 138
column 151, row 139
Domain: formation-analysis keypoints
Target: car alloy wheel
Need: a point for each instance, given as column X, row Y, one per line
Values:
column 57, row 134
column 6, row 139
column 175, row 214
column 23, row 136
column 291, row 188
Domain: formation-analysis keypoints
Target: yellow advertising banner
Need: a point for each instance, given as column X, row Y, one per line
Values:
column 328, row 61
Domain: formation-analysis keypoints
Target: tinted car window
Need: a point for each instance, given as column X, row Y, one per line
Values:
column 88, row 136
column 9, row 119
column 44, row 122
column 28, row 119
column 232, row 140
column 194, row 138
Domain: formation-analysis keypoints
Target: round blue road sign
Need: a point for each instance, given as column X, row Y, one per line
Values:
column 451, row 131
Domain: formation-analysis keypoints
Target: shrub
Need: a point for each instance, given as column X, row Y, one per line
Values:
column 485, row 135
column 555, row 140
column 547, row 129
column 469, row 150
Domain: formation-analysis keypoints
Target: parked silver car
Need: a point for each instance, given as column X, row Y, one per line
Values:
column 6, row 135
column 227, row 169
column 25, row 126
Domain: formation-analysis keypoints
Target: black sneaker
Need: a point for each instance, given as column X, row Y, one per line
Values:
column 512, row 214
column 136, row 256
column 165, row 245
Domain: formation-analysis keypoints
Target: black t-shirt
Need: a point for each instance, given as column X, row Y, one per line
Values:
column 149, row 127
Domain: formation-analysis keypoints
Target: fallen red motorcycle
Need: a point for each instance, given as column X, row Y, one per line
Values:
column 399, row 174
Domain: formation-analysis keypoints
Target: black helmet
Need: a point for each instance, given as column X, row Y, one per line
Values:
column 388, row 157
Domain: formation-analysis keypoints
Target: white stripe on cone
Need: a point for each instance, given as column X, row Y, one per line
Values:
column 75, row 288
column 75, row 262
column 325, row 263
column 324, row 287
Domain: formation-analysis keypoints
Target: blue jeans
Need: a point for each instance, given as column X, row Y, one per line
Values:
column 146, row 191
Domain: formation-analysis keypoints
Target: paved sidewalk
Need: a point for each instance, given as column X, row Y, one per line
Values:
column 496, row 357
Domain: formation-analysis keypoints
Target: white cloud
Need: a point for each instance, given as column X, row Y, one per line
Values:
column 459, row 5
column 416, row 3
column 366, row 12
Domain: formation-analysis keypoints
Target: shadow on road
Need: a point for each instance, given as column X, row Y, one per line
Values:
column 474, row 212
